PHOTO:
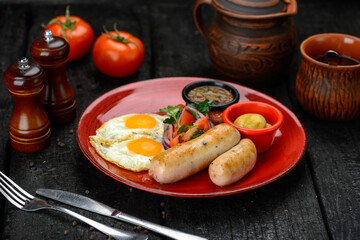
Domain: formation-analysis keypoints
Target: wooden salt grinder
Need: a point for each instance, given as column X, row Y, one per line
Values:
column 51, row 53
column 29, row 126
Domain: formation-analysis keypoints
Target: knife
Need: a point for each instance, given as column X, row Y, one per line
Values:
column 91, row 205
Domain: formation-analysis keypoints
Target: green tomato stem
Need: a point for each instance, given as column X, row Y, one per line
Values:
column 68, row 24
column 118, row 37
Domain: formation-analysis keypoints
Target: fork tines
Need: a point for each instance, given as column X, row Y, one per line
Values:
column 15, row 194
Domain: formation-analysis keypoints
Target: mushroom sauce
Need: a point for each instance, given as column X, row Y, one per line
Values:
column 218, row 95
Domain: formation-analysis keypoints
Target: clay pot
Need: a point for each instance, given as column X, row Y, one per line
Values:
column 251, row 42
column 330, row 92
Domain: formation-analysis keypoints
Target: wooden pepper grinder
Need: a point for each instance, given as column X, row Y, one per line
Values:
column 51, row 53
column 29, row 126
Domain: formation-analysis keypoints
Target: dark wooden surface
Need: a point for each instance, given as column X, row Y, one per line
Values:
column 319, row 199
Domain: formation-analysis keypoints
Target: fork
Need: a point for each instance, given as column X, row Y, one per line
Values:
column 25, row 201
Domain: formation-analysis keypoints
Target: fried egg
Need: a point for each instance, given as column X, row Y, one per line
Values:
column 131, row 140
column 133, row 154
column 127, row 126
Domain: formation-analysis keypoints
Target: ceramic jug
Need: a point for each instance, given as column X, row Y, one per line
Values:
column 250, row 42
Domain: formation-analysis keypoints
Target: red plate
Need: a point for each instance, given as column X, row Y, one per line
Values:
column 151, row 95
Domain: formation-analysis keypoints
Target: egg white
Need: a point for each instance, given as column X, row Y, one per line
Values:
column 118, row 154
column 112, row 137
column 115, row 128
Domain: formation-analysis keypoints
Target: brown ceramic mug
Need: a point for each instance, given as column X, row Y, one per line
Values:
column 330, row 92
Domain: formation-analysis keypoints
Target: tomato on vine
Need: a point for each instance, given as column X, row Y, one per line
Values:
column 118, row 53
column 78, row 33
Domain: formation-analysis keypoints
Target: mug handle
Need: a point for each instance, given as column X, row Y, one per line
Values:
column 198, row 18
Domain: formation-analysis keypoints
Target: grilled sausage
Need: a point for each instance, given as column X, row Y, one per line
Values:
column 234, row 164
column 188, row 158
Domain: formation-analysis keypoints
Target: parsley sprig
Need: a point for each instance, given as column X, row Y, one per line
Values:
column 173, row 112
column 203, row 107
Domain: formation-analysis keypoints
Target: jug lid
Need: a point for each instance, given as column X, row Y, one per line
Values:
column 252, row 7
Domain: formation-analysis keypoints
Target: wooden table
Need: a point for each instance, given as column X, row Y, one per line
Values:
column 318, row 199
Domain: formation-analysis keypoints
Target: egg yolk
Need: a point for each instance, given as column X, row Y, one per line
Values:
column 140, row 121
column 145, row 146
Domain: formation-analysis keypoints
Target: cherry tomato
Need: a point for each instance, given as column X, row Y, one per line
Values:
column 118, row 53
column 75, row 31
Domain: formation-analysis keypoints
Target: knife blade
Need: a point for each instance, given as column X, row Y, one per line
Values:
column 91, row 205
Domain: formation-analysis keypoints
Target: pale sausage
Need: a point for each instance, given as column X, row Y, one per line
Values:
column 188, row 158
column 234, row 164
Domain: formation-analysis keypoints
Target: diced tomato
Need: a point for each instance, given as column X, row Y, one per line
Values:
column 216, row 117
column 203, row 123
column 176, row 128
column 187, row 118
column 176, row 140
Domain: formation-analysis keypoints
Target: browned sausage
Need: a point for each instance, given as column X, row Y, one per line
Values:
column 188, row 158
column 234, row 164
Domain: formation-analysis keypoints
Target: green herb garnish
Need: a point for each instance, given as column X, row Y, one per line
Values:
column 203, row 107
column 198, row 133
column 184, row 128
column 173, row 112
